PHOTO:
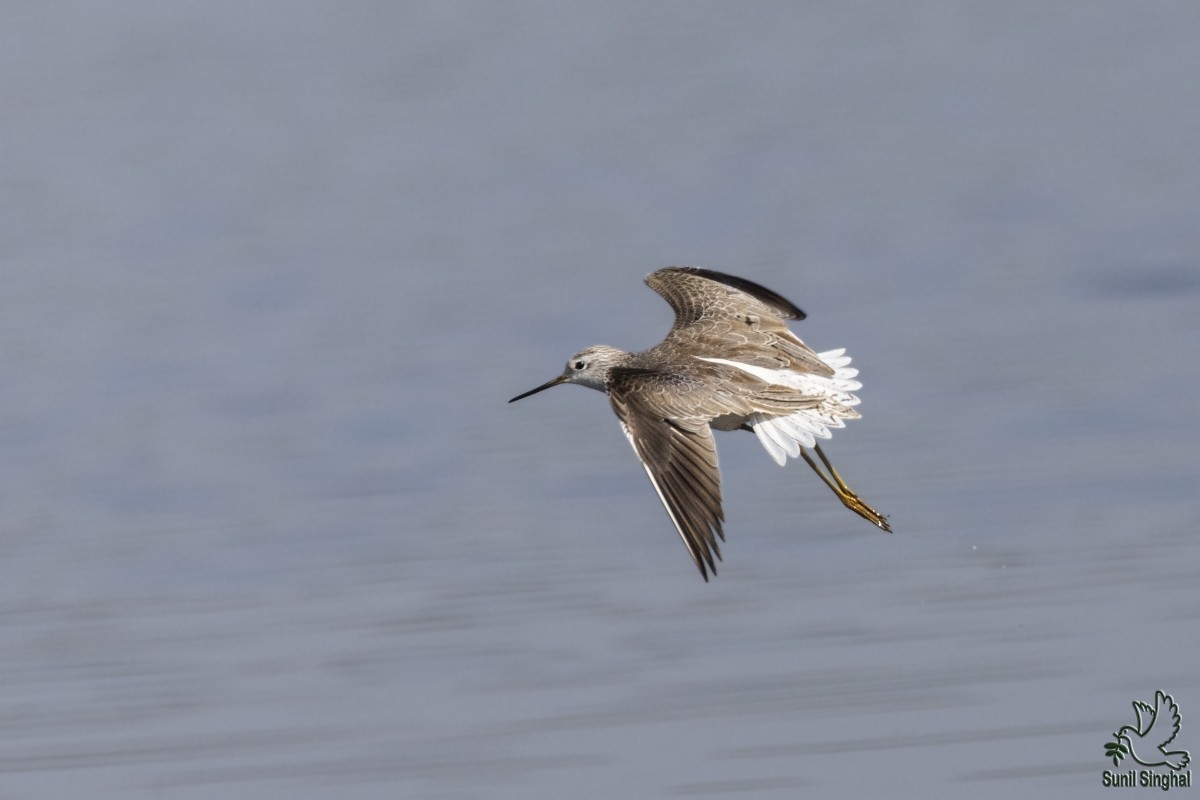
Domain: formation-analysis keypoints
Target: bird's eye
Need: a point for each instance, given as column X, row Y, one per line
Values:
column 580, row 364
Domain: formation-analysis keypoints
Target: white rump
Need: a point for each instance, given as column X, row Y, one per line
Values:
column 784, row 436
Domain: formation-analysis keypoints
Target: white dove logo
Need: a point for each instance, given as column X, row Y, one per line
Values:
column 1156, row 728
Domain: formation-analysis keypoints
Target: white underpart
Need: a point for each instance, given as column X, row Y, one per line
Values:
column 784, row 436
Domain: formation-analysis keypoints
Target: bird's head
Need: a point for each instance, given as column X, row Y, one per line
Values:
column 589, row 367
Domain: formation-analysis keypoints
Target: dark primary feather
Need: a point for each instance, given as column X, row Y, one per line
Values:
column 694, row 296
column 678, row 453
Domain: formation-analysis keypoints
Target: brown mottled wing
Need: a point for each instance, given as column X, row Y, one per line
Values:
column 719, row 315
column 677, row 450
column 694, row 292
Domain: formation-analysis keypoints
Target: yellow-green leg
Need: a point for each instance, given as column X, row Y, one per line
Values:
column 844, row 492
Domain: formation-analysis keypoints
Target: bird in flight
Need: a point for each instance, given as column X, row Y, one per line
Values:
column 729, row 362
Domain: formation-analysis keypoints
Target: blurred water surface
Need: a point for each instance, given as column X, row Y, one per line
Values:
column 271, row 270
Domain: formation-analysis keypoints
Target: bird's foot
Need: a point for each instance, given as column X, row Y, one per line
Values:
column 855, row 504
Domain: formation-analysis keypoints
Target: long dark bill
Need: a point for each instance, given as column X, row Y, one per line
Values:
column 544, row 386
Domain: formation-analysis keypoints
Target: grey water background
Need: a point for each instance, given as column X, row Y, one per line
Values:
column 270, row 272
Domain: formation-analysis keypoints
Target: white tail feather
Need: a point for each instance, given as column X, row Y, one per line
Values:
column 773, row 448
column 782, row 437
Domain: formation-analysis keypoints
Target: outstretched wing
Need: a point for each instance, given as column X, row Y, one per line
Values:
column 720, row 315
column 691, row 292
column 676, row 448
column 1166, row 719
